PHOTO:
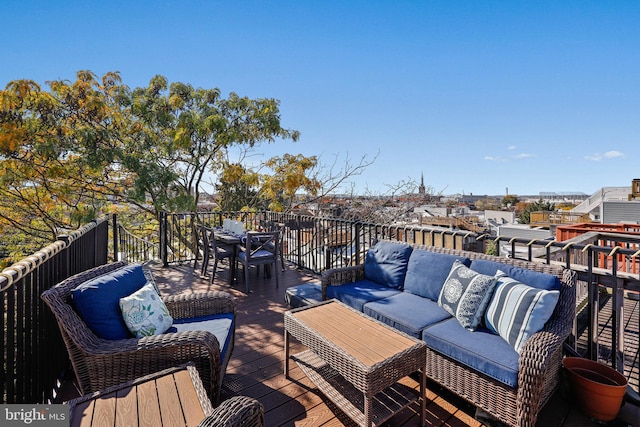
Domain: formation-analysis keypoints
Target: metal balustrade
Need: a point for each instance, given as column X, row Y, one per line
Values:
column 34, row 355
column 32, row 350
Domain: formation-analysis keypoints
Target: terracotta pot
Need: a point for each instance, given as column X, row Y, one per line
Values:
column 597, row 388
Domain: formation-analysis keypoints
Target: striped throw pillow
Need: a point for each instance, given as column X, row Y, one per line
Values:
column 518, row 311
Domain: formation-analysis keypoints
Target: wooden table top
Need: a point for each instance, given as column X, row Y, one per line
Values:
column 167, row 398
column 364, row 339
column 227, row 238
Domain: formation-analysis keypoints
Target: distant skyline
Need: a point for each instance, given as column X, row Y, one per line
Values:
column 479, row 96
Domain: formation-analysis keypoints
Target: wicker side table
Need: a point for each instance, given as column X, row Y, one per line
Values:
column 356, row 361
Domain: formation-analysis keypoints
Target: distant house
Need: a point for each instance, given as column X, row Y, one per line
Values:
column 611, row 205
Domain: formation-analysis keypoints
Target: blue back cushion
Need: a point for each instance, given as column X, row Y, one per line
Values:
column 98, row 300
column 532, row 278
column 386, row 263
column 427, row 272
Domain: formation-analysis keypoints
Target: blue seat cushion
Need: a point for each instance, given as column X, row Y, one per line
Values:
column 220, row 325
column 532, row 278
column 357, row 294
column 406, row 312
column 480, row 350
column 386, row 263
column 305, row 294
column 427, row 272
column 259, row 254
column 97, row 301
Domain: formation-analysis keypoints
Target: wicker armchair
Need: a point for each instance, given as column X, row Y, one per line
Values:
column 241, row 411
column 100, row 363
column 539, row 362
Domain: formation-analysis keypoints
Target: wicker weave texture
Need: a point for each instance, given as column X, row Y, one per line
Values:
column 408, row 356
column 237, row 411
column 100, row 363
column 539, row 361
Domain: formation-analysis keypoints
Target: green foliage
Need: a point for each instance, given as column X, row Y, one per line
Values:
column 492, row 248
column 91, row 146
column 524, row 215
column 510, row 200
column 487, row 204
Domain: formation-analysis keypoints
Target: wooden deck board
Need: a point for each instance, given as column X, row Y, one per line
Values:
column 256, row 366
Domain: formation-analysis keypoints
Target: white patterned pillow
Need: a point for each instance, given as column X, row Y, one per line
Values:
column 144, row 313
column 518, row 311
column 466, row 294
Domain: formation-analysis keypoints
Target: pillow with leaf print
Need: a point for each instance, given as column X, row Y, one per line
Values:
column 144, row 313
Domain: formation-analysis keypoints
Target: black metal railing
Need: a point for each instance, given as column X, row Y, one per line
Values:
column 131, row 248
column 33, row 352
column 309, row 242
column 603, row 261
column 34, row 355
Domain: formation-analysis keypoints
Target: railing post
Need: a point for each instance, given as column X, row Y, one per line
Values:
column 163, row 239
column 298, row 241
column 617, row 335
column 593, row 304
column 357, row 248
column 114, row 226
column 65, row 261
column 327, row 257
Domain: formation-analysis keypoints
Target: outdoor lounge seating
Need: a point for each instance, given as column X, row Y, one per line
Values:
column 457, row 302
column 103, row 354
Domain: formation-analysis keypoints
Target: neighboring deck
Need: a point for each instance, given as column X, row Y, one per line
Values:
column 256, row 366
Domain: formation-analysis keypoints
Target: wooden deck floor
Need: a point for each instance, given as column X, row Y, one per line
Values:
column 256, row 366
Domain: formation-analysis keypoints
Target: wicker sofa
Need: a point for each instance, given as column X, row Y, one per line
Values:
column 401, row 285
column 99, row 363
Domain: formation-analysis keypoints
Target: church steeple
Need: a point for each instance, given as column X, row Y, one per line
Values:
column 421, row 189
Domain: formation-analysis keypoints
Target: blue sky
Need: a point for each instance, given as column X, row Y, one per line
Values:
column 479, row 96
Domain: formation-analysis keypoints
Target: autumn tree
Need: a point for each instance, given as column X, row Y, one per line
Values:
column 77, row 150
column 524, row 214
column 488, row 203
column 186, row 133
column 56, row 157
column 510, row 200
column 277, row 183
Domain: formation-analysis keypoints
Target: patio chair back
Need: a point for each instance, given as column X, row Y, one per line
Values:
column 261, row 248
column 212, row 249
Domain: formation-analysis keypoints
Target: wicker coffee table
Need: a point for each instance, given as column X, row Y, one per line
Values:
column 355, row 360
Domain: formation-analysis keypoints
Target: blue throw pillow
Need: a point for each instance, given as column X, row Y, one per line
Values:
column 386, row 263
column 529, row 277
column 98, row 300
column 427, row 271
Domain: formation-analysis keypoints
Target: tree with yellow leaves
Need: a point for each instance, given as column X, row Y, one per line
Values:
column 80, row 148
